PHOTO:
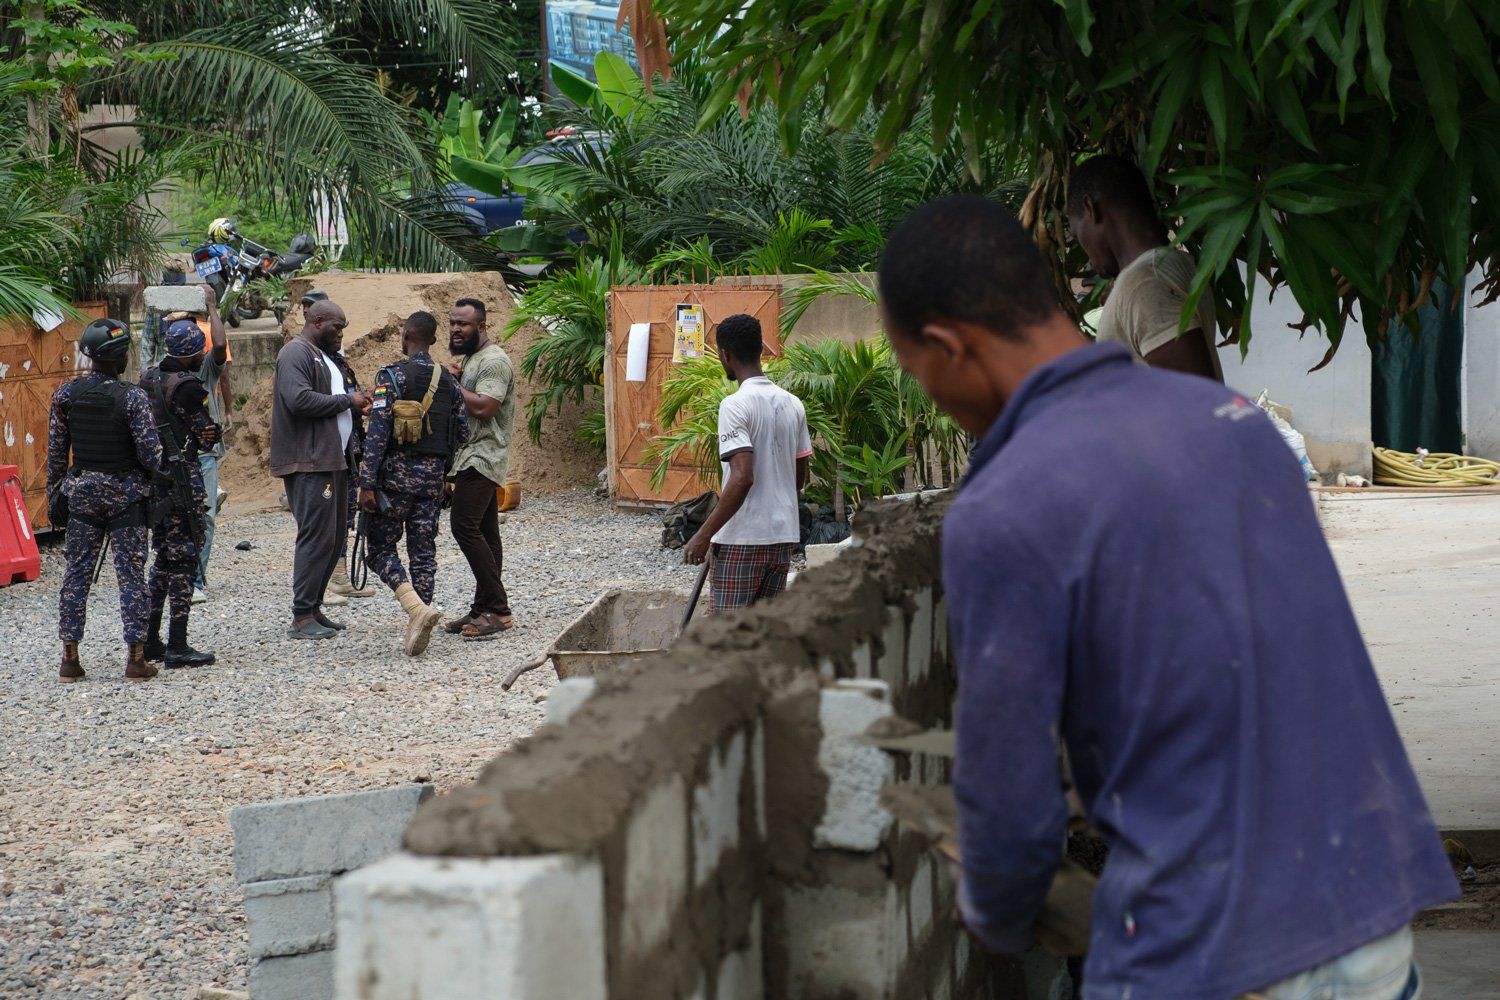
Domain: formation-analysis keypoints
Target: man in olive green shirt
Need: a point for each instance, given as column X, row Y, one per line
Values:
column 487, row 381
column 1113, row 217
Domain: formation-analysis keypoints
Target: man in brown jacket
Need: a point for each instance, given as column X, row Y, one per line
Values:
column 312, row 424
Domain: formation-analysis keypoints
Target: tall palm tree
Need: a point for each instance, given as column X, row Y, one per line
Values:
column 281, row 108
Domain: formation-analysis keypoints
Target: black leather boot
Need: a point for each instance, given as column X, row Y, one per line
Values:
column 180, row 654
column 155, row 648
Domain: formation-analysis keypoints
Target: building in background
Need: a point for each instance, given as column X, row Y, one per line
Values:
column 578, row 30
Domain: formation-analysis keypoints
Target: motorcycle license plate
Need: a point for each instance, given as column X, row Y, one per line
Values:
column 207, row 267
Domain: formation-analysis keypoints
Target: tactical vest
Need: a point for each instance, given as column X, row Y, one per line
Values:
column 437, row 423
column 166, row 423
column 100, row 426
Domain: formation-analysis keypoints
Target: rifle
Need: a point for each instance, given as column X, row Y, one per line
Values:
column 179, row 486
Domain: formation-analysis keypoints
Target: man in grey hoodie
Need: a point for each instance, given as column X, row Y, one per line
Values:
column 312, row 424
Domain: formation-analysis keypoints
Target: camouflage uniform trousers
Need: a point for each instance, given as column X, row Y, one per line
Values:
column 418, row 517
column 176, row 564
column 103, row 502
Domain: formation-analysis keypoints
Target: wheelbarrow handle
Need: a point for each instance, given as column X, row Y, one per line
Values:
column 529, row 665
column 692, row 604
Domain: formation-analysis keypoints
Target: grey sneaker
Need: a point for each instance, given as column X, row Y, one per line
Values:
column 310, row 629
column 199, row 597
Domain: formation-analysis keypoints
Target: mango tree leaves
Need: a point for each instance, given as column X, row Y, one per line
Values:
column 1353, row 142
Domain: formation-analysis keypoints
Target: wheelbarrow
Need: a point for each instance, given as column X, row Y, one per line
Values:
column 619, row 626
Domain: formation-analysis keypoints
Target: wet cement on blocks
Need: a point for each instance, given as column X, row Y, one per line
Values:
column 671, row 712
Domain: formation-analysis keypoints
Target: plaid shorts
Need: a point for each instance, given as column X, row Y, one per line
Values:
column 744, row 574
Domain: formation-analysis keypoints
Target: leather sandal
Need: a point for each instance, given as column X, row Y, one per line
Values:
column 485, row 626
column 457, row 625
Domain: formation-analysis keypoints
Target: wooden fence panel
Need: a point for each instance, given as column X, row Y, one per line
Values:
column 631, row 407
column 33, row 364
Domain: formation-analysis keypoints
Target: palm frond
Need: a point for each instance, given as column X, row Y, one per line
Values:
column 814, row 287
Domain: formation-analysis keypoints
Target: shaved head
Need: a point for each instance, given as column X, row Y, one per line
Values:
column 324, row 309
column 324, row 324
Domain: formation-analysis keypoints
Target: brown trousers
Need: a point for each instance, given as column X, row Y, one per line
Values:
column 476, row 528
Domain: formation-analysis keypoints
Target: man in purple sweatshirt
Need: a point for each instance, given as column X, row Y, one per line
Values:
column 1133, row 567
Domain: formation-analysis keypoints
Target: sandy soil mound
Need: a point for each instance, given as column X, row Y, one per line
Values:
column 376, row 305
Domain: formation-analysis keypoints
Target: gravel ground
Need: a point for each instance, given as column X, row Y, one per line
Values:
column 115, row 875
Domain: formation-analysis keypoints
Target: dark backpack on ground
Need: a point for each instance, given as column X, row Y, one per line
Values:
column 682, row 520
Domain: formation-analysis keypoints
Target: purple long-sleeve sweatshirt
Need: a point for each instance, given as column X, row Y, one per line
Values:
column 1134, row 565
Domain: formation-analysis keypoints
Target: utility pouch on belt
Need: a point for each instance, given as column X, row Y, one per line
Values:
column 409, row 416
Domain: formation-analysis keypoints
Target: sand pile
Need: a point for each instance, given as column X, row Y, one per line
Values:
column 376, row 305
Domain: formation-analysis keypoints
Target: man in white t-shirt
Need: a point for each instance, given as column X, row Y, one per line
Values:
column 764, row 447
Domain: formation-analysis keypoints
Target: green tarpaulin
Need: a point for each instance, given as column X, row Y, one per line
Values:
column 1417, row 380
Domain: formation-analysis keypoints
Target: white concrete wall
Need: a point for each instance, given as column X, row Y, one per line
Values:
column 1481, row 399
column 1330, row 407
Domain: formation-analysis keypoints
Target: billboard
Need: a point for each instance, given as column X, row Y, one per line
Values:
column 577, row 30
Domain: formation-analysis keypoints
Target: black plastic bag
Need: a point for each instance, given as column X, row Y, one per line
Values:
column 821, row 527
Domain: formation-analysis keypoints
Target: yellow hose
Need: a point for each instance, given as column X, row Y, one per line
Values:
column 1439, row 470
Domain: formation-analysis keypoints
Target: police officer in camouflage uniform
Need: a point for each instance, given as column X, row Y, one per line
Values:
column 417, row 420
column 179, row 402
column 107, row 425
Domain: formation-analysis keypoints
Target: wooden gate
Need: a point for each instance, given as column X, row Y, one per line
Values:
column 32, row 365
column 631, row 408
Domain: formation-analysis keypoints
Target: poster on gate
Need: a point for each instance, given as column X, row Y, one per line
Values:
column 687, row 341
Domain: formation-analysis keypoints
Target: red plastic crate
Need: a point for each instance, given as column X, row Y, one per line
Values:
column 19, row 558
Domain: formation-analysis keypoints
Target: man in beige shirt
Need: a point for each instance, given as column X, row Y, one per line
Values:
column 487, row 382
column 1113, row 217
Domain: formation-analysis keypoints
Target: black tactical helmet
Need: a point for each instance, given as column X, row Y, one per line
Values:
column 105, row 340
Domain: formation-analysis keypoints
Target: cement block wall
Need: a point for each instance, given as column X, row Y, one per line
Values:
column 707, row 820
column 1331, row 407
column 287, row 856
column 1481, row 378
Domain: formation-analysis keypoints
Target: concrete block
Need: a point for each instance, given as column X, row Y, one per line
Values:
column 290, row 916
column 415, row 928
column 758, row 769
column 919, row 637
column 656, row 867
column 321, row 835
column 940, row 631
column 818, row 555
column 852, row 817
column 892, row 665
column 175, row 298
column 864, row 661
column 739, row 975
column 293, row 977
column 921, row 899
column 837, row 941
column 716, row 808
column 566, row 698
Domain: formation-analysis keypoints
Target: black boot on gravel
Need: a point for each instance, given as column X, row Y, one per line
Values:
column 180, row 654
column 156, row 650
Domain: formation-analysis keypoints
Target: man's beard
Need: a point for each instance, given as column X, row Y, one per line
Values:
column 465, row 346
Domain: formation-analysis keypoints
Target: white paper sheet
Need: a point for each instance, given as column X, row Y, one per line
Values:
column 46, row 319
column 635, row 353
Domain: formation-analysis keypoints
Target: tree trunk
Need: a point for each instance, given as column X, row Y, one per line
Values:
column 838, row 502
column 38, row 135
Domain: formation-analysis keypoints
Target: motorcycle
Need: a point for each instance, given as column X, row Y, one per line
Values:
column 229, row 270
